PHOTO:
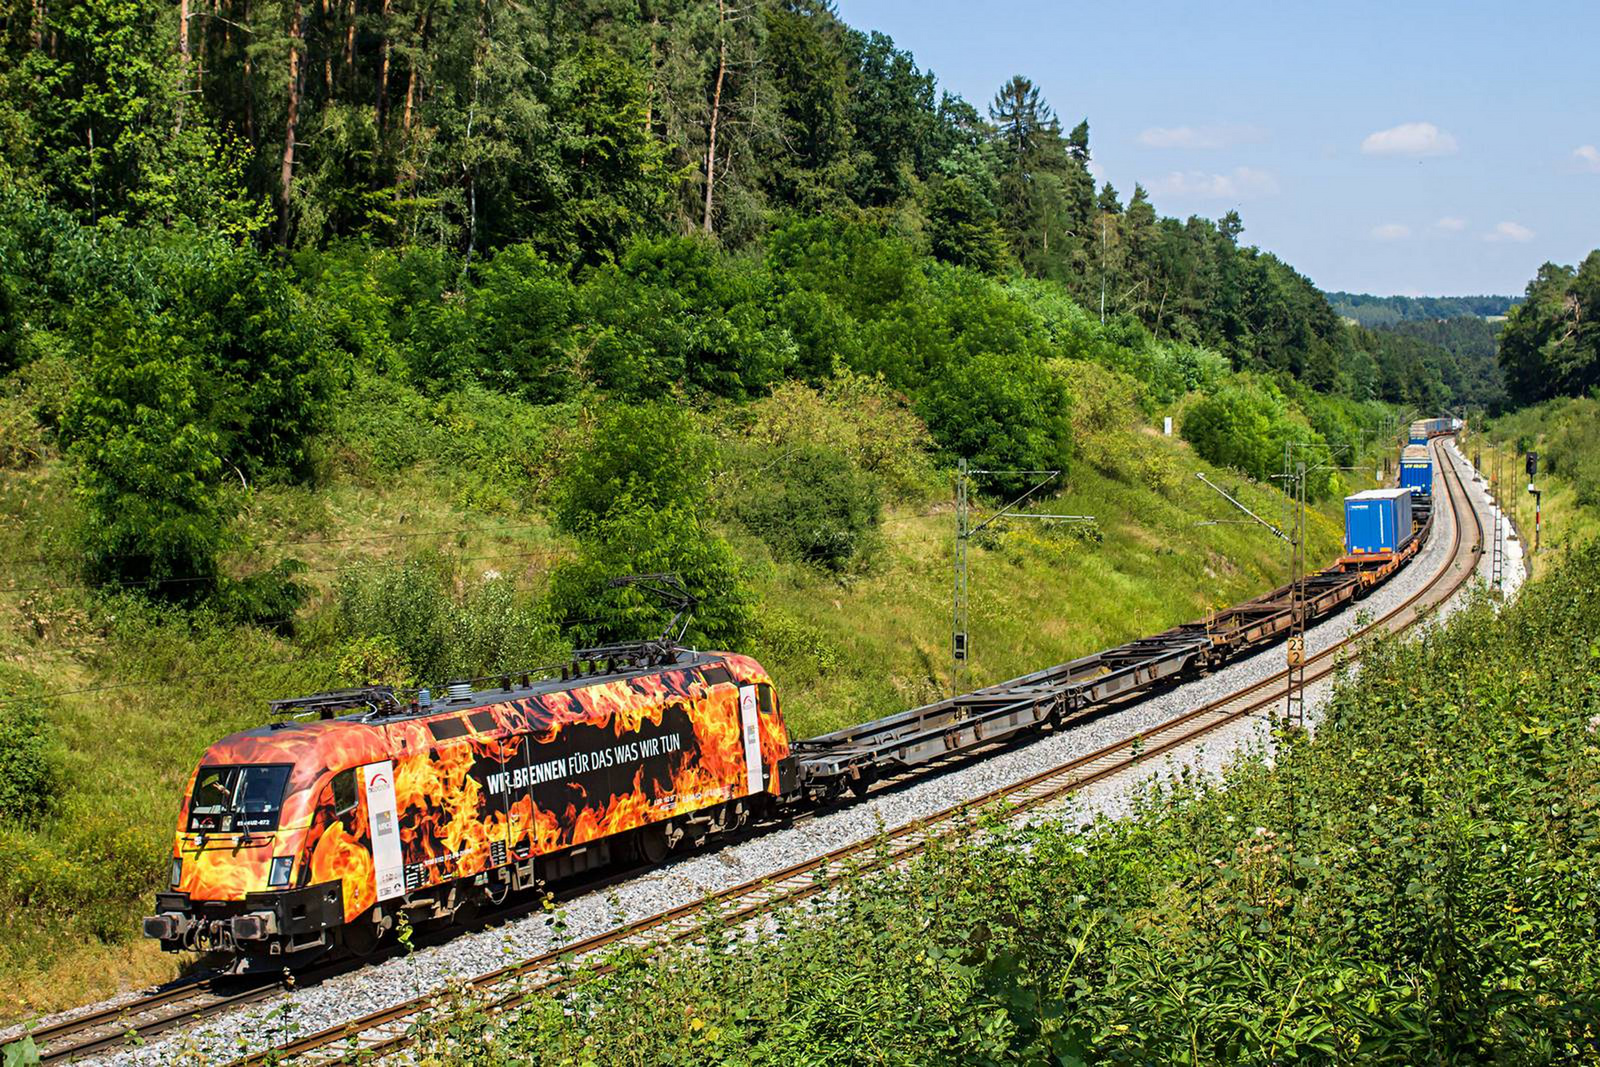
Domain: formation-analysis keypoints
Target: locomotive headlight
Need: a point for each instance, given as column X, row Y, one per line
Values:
column 177, row 871
column 278, row 873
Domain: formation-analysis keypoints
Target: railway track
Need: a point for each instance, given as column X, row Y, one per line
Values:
column 387, row 1030
column 379, row 1034
column 170, row 1006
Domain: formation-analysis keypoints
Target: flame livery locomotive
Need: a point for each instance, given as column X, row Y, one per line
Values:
column 303, row 835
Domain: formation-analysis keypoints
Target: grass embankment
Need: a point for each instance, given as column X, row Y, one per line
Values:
column 1566, row 434
column 143, row 692
column 1416, row 885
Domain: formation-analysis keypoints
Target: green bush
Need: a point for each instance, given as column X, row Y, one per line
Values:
column 522, row 313
column 674, row 314
column 426, row 620
column 808, row 503
column 149, row 468
column 1246, row 427
column 859, row 417
column 646, row 457
column 30, row 770
column 642, row 540
column 90, row 873
column 1000, row 412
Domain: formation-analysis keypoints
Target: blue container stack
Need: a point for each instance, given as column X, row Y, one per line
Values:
column 1377, row 522
column 1416, row 470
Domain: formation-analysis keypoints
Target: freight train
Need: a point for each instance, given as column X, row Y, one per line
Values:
column 1424, row 429
column 321, row 830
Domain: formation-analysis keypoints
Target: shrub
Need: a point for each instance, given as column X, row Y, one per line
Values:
column 675, row 313
column 30, row 770
column 1000, row 412
column 652, row 456
column 1246, row 427
column 522, row 312
column 809, row 503
column 423, row 620
column 149, row 469
column 637, row 540
column 859, row 417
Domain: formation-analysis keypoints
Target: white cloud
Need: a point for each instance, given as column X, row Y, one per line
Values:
column 1451, row 223
column 1509, row 231
column 1588, row 157
column 1241, row 183
column 1200, row 136
column 1410, row 139
column 1391, row 231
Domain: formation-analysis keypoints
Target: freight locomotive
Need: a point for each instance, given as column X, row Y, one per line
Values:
column 357, row 807
column 298, row 835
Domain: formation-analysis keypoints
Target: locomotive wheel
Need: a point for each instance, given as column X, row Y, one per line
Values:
column 652, row 843
column 362, row 937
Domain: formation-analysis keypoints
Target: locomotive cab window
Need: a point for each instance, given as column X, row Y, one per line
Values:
column 239, row 800
column 766, row 700
column 344, row 793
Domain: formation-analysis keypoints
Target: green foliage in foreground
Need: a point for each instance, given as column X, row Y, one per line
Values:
column 1416, row 885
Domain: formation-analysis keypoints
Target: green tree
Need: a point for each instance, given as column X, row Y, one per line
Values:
column 892, row 116
column 807, row 60
column 645, row 458
column 962, row 227
column 148, row 467
column 1551, row 342
column 644, row 540
column 1000, row 412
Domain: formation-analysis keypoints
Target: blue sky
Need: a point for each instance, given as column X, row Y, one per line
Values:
column 1401, row 147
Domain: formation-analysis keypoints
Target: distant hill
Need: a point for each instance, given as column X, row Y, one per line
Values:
column 1369, row 310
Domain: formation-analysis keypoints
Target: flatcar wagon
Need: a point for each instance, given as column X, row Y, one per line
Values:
column 1377, row 524
column 299, row 835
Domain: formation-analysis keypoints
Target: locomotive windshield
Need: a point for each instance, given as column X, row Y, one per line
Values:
column 237, row 799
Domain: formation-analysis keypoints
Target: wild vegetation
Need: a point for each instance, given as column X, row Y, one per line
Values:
column 366, row 342
column 1414, row 886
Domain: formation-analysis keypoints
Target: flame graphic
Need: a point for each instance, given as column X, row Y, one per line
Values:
column 340, row 856
column 451, row 819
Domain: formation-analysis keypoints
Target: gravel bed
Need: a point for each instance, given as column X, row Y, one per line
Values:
column 346, row 997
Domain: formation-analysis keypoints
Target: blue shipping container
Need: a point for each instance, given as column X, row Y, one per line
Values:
column 1376, row 521
column 1419, row 433
column 1416, row 470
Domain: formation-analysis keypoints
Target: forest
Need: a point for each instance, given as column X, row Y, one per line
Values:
column 1551, row 343
column 575, row 130
column 1369, row 310
column 222, row 217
